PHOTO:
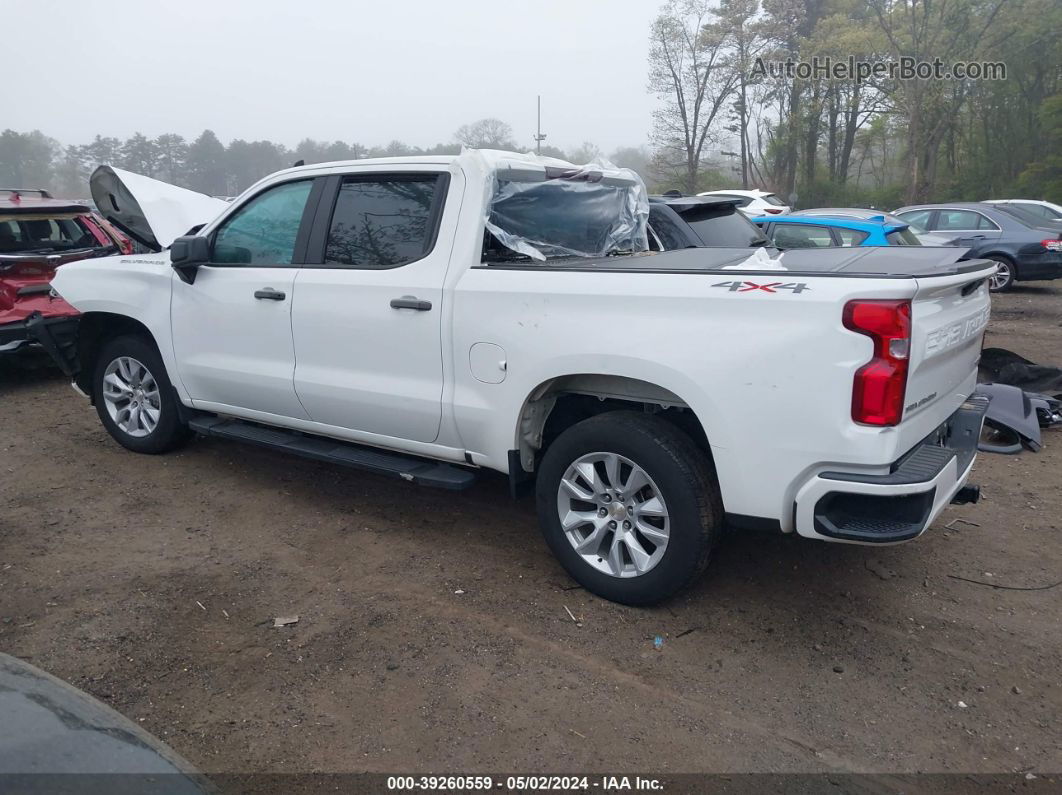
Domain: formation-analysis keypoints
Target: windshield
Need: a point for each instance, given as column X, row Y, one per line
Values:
column 33, row 234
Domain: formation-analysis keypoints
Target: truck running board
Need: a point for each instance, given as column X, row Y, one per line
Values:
column 417, row 470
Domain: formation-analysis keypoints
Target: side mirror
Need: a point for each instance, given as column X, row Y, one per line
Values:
column 187, row 254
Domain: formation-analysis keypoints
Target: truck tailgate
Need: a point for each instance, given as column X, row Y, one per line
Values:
column 948, row 318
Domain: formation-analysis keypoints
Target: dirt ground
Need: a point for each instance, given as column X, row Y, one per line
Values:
column 433, row 634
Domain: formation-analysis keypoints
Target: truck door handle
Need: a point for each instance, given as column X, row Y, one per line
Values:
column 269, row 294
column 410, row 302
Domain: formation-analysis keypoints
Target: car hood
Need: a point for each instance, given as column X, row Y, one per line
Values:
column 59, row 738
column 151, row 211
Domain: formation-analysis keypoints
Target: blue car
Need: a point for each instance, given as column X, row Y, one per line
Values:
column 789, row 231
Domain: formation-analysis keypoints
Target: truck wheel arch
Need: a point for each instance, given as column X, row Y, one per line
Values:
column 560, row 402
column 94, row 329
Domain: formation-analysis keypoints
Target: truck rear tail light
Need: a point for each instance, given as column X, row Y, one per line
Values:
column 879, row 385
column 1052, row 245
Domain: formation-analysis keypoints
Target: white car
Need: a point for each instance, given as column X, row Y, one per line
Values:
column 431, row 317
column 753, row 202
column 1049, row 211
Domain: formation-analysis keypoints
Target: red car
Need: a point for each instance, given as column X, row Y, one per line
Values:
column 37, row 235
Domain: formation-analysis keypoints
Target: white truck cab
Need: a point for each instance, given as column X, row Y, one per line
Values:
column 427, row 317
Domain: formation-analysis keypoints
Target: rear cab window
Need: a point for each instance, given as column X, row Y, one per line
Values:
column 555, row 212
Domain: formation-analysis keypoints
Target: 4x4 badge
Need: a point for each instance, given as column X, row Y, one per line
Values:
column 771, row 287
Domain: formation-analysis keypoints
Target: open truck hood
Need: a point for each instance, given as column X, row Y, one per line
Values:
column 152, row 212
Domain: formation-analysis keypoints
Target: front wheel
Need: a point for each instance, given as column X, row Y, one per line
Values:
column 629, row 505
column 134, row 398
column 1003, row 279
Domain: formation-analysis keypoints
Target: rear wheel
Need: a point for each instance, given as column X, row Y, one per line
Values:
column 134, row 398
column 629, row 505
column 1003, row 279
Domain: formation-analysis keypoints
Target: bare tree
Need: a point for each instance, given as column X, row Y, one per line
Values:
column 686, row 70
column 487, row 133
column 739, row 16
column 587, row 152
column 922, row 29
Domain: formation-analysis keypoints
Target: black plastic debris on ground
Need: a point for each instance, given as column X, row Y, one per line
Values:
column 1000, row 366
column 1014, row 418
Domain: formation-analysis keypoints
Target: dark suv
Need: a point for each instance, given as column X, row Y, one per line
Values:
column 677, row 221
column 37, row 235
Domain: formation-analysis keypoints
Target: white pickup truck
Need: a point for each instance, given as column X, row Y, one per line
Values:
column 427, row 317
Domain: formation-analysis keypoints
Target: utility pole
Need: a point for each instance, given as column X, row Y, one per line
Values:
column 539, row 135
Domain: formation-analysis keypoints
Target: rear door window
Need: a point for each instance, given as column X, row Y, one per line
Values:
column 384, row 221
column 956, row 220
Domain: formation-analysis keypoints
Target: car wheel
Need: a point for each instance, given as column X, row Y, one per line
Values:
column 629, row 505
column 1003, row 279
column 134, row 398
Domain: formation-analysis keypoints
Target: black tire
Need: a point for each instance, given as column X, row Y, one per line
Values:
column 685, row 478
column 169, row 432
column 1006, row 283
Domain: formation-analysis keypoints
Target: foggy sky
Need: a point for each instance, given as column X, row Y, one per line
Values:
column 365, row 72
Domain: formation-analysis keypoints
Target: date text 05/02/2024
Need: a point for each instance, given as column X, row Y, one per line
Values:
column 525, row 783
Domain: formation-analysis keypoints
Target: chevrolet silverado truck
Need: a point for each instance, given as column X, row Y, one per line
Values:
column 430, row 317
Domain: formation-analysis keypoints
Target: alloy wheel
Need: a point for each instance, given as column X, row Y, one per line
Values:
column 132, row 397
column 613, row 514
column 999, row 279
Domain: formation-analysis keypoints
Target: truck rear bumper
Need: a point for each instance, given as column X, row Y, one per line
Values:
column 900, row 504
